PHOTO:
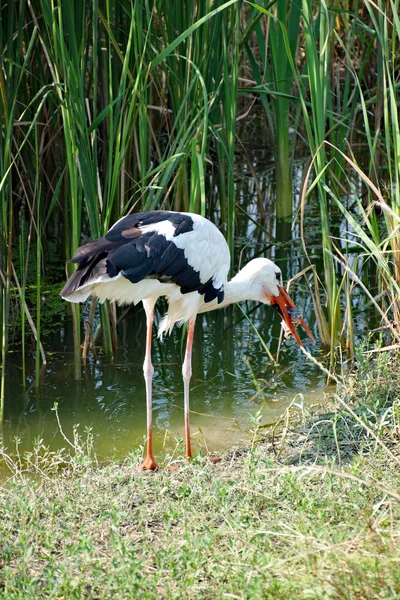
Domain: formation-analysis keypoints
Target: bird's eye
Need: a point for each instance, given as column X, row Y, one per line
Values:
column 278, row 276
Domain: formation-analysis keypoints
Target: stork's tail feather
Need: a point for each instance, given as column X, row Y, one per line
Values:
column 73, row 285
column 91, row 265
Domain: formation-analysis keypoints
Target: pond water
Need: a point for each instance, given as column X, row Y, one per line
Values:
column 232, row 379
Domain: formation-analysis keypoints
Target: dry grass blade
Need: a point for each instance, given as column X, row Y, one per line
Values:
column 367, row 429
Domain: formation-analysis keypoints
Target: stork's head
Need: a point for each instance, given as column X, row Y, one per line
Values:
column 264, row 279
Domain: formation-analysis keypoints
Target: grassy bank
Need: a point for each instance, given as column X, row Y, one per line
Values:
column 309, row 512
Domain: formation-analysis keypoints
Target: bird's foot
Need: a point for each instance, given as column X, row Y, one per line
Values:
column 215, row 459
column 149, row 464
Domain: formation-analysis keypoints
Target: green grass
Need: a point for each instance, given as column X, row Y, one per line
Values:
column 310, row 512
column 249, row 527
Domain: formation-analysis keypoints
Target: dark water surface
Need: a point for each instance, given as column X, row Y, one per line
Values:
column 232, row 379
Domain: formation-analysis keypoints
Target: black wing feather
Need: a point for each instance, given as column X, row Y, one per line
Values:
column 138, row 254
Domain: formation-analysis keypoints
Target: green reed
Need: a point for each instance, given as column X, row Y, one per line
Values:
column 102, row 91
column 277, row 41
column 387, row 27
column 114, row 106
column 317, row 35
column 12, row 89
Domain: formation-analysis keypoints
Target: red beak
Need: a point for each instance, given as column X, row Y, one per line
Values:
column 291, row 316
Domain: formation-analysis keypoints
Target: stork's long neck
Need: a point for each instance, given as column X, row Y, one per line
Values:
column 235, row 290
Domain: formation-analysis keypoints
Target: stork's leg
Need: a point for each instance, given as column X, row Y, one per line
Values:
column 186, row 374
column 148, row 371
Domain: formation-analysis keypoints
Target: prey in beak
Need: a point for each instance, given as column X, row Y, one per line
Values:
column 291, row 315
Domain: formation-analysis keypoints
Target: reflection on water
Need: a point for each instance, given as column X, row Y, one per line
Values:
column 229, row 368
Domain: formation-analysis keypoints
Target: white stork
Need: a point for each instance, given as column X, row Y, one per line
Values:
column 185, row 258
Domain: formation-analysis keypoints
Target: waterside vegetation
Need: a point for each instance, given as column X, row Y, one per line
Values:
column 113, row 106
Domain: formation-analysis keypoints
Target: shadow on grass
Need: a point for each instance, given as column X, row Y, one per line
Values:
column 364, row 413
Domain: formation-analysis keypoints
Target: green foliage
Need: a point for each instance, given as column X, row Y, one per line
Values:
column 128, row 100
column 113, row 106
column 277, row 41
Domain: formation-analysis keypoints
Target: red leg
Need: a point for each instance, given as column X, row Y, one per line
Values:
column 148, row 371
column 186, row 374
